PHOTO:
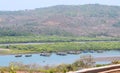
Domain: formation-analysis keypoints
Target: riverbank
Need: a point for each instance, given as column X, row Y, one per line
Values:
column 62, row 47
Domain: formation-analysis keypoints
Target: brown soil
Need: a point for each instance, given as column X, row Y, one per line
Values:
column 24, row 72
column 1, row 49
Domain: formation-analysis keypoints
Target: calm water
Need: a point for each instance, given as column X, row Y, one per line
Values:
column 53, row 59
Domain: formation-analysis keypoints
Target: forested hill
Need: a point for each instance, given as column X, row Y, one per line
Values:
column 62, row 20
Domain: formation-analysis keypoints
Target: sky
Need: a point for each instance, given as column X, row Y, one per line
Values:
column 11, row 5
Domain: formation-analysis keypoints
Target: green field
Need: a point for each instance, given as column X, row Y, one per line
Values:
column 63, row 46
column 27, row 39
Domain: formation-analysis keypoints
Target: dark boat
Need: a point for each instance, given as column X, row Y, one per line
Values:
column 91, row 51
column 61, row 53
column 71, row 52
column 74, row 52
column 99, row 51
column 18, row 55
column 45, row 54
column 28, row 55
column 78, row 52
column 85, row 51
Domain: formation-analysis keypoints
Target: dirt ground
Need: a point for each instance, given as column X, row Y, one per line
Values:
column 23, row 72
column 1, row 49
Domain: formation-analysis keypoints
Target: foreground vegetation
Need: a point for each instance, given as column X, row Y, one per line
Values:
column 63, row 46
column 86, row 61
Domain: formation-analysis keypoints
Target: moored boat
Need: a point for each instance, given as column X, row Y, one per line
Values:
column 74, row 52
column 18, row 55
column 61, row 53
column 91, row 51
column 99, row 51
column 28, row 55
column 85, row 51
column 45, row 54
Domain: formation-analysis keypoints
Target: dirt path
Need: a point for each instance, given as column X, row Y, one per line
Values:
column 1, row 49
column 24, row 72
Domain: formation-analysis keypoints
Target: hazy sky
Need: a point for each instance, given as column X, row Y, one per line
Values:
column 31, row 4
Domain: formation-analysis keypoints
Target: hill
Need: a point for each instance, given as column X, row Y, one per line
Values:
column 62, row 20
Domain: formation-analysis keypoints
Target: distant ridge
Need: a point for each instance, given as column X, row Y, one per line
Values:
column 62, row 20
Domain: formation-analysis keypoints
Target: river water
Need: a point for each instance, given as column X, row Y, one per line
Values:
column 54, row 59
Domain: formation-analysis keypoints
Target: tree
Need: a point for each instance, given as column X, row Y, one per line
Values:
column 85, row 61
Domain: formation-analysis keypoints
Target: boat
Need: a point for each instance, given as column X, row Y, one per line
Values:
column 74, row 52
column 28, row 55
column 85, row 51
column 99, row 51
column 71, row 52
column 61, row 53
column 18, row 55
column 78, row 52
column 91, row 51
column 45, row 54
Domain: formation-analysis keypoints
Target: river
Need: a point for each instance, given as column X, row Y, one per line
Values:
column 52, row 60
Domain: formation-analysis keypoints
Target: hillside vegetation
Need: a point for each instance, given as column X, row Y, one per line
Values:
column 62, row 20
